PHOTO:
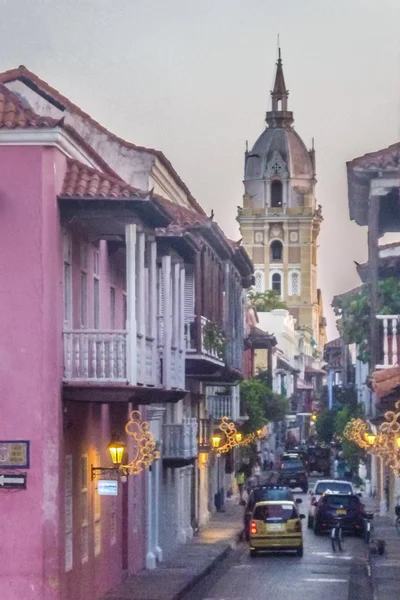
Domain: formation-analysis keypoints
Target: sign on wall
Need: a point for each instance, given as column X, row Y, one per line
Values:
column 14, row 454
column 14, row 481
column 107, row 487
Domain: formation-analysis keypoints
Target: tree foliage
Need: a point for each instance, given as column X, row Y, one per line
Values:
column 266, row 301
column 354, row 311
column 260, row 403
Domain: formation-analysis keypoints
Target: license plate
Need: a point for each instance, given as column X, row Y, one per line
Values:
column 341, row 511
column 275, row 527
column 292, row 481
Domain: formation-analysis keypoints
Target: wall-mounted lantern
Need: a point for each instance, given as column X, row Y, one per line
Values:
column 238, row 437
column 116, row 448
column 216, row 440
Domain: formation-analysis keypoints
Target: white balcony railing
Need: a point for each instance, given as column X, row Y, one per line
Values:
column 180, row 440
column 191, row 340
column 98, row 355
column 390, row 341
column 219, row 406
column 91, row 354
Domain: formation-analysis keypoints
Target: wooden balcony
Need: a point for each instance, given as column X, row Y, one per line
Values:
column 100, row 356
column 390, row 341
column 219, row 406
column 93, row 355
column 203, row 354
column 180, row 442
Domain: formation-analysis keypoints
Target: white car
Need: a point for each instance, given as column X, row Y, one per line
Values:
column 326, row 485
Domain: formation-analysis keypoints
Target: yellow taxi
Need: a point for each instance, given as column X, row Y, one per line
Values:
column 276, row 525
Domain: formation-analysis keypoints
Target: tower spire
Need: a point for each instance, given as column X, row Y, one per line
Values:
column 279, row 116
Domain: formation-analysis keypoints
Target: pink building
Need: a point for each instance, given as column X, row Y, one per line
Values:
column 92, row 324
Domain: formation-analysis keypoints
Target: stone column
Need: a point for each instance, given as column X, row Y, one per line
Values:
column 130, row 236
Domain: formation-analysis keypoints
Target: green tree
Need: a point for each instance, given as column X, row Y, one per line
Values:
column 260, row 403
column 266, row 301
column 353, row 312
column 325, row 426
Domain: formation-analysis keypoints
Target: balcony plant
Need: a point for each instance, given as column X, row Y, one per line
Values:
column 214, row 339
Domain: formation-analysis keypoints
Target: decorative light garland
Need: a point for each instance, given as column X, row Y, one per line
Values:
column 386, row 444
column 233, row 438
column 146, row 451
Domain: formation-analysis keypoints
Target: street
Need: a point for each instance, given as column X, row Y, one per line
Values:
column 285, row 577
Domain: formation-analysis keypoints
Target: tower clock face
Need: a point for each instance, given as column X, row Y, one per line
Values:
column 294, row 236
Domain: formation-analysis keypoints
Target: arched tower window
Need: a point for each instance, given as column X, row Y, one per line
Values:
column 295, row 284
column 277, row 283
column 276, row 194
column 276, row 250
column 259, row 281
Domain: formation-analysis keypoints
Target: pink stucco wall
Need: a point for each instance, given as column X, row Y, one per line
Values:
column 32, row 525
column 30, row 360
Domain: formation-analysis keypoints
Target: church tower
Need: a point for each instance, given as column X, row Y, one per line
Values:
column 280, row 221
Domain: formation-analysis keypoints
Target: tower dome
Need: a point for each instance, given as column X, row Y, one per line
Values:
column 280, row 150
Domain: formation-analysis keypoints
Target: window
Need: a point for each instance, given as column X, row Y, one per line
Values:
column 96, row 290
column 277, row 283
column 259, row 282
column 276, row 194
column 112, row 308
column 276, row 250
column 83, row 299
column 97, row 515
column 84, row 510
column 67, row 251
column 124, row 312
column 295, row 284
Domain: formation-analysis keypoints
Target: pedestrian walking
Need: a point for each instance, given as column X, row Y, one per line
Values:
column 257, row 473
column 240, row 479
column 265, row 459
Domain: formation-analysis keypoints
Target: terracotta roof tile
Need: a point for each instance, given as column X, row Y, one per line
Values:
column 182, row 216
column 34, row 82
column 16, row 114
column 81, row 181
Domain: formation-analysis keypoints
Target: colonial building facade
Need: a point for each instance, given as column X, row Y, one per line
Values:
column 280, row 220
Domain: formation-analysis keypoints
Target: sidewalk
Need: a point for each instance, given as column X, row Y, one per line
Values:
column 189, row 563
column 385, row 569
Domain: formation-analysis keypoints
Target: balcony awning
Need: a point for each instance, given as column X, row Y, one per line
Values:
column 100, row 393
column 105, row 204
column 303, row 385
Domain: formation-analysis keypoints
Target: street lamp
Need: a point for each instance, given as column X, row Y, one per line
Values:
column 216, row 440
column 239, row 437
column 371, row 438
column 116, row 448
column 398, row 441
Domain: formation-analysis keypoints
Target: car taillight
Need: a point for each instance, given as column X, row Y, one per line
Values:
column 253, row 527
column 282, row 466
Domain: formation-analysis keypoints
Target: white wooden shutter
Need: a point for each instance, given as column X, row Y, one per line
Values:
column 189, row 294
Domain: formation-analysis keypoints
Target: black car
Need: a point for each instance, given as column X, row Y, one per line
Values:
column 348, row 508
column 264, row 492
column 292, row 472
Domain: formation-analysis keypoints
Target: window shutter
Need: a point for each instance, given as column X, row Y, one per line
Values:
column 189, row 295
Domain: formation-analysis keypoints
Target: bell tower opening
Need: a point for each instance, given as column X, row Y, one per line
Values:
column 276, row 251
column 276, row 194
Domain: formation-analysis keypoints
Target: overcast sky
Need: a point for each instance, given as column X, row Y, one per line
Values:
column 192, row 78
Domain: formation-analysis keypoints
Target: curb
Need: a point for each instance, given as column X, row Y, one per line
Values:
column 213, row 565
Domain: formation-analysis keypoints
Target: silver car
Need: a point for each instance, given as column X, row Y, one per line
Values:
column 326, row 485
